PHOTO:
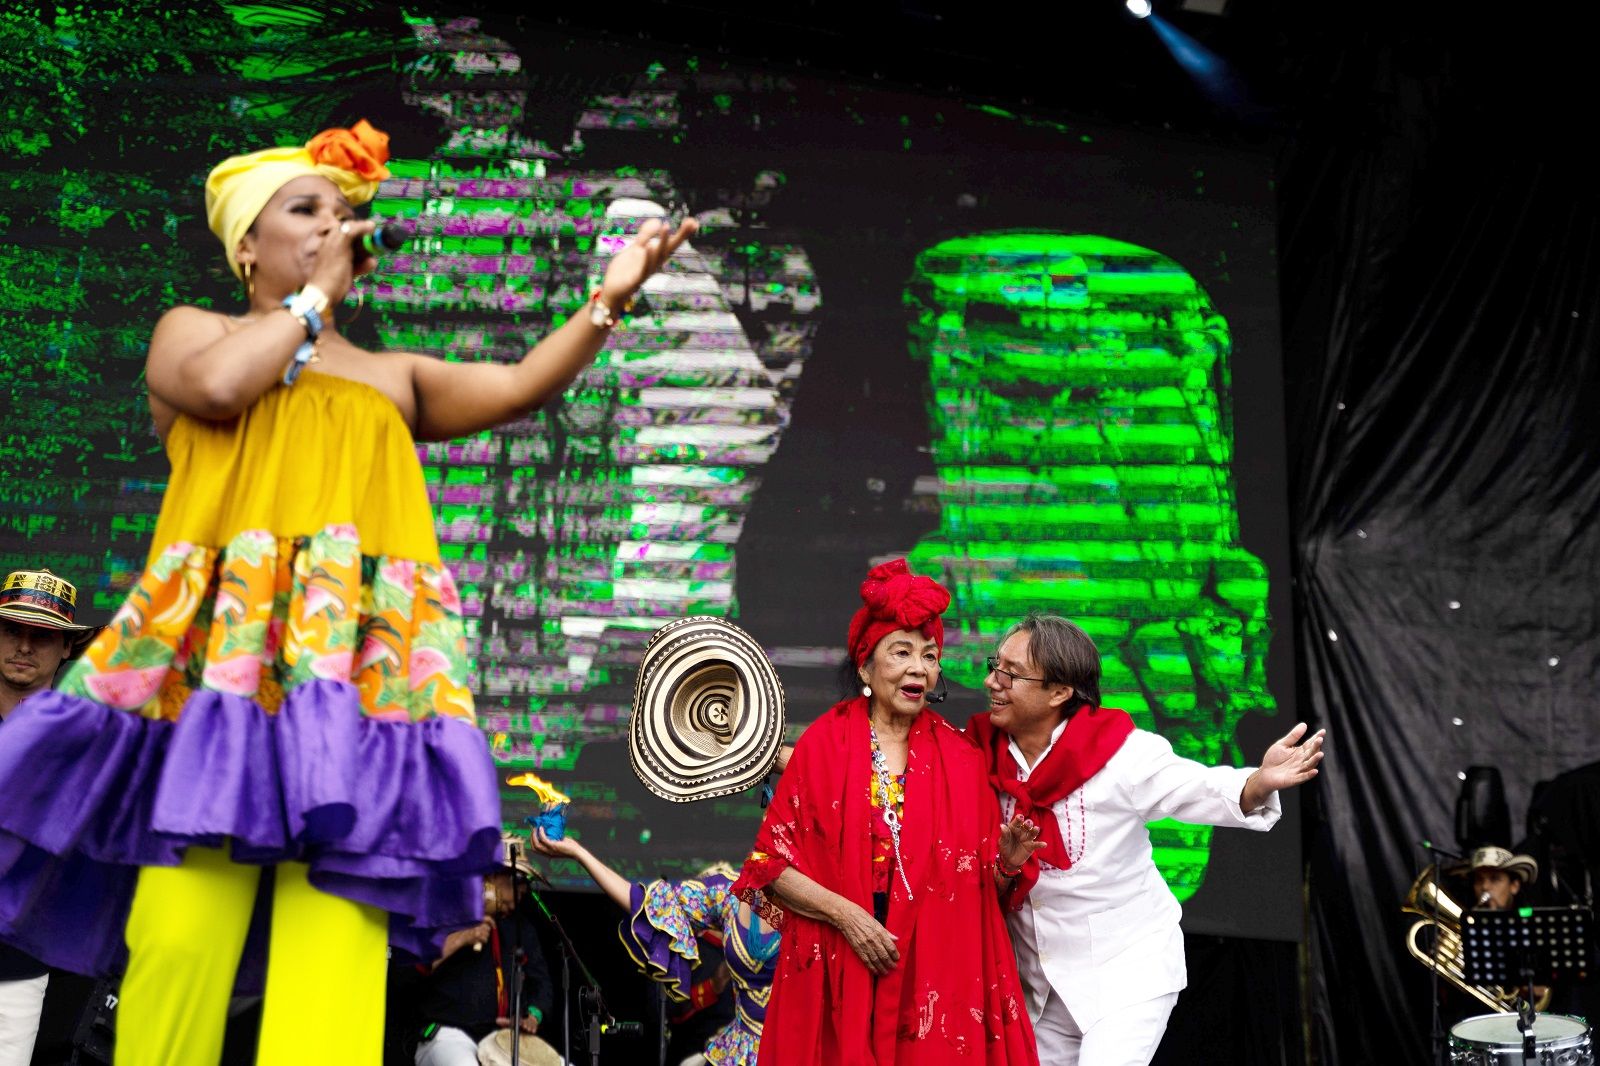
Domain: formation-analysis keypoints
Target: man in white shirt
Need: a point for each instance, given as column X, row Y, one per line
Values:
column 1094, row 925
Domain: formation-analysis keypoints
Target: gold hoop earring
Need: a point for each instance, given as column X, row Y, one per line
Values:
column 249, row 283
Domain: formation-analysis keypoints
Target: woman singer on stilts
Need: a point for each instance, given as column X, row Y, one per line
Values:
column 286, row 688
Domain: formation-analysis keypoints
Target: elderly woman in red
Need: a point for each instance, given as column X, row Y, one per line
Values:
column 882, row 858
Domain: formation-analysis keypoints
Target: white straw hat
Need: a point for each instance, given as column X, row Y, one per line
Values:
column 707, row 711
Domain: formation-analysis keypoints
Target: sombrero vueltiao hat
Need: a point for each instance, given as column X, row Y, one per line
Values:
column 40, row 599
column 707, row 711
column 1522, row 867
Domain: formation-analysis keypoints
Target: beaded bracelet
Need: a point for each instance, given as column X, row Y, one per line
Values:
column 306, row 306
column 600, row 315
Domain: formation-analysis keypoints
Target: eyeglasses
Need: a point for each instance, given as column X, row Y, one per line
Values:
column 1007, row 678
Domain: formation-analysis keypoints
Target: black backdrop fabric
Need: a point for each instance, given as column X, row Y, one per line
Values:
column 1439, row 270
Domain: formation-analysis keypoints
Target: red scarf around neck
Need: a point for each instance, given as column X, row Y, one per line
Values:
column 1093, row 735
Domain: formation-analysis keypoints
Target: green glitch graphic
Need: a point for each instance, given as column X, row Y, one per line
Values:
column 1079, row 423
column 577, row 531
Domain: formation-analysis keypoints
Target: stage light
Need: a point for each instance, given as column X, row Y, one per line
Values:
column 1482, row 816
column 1213, row 76
column 1201, row 63
column 1139, row 8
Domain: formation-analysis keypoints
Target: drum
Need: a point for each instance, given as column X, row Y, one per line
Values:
column 495, row 1050
column 1494, row 1040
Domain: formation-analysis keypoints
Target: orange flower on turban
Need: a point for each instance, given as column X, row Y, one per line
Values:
column 362, row 149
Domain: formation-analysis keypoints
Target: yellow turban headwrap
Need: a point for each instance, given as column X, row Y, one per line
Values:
column 239, row 187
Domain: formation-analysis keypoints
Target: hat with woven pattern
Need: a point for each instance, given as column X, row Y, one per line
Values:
column 707, row 711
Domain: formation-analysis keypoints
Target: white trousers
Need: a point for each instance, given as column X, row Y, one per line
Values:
column 20, row 1004
column 1126, row 1037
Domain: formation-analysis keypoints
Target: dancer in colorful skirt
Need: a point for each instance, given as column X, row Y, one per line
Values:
column 286, row 688
column 666, row 921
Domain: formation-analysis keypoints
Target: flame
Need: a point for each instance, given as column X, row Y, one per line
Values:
column 543, row 789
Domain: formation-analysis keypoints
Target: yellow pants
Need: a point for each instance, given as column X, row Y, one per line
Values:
column 325, row 968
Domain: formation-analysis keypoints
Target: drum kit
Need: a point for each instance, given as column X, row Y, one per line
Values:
column 1496, row 1040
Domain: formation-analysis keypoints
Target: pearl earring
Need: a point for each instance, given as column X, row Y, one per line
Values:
column 866, row 690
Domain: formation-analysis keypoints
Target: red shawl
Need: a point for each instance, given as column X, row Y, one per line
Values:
column 954, row 997
column 1092, row 736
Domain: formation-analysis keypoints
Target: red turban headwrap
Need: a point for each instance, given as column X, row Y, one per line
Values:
column 895, row 598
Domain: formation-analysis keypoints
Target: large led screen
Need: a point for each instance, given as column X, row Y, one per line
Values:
column 1038, row 358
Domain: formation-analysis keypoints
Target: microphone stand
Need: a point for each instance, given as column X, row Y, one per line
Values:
column 661, row 1028
column 1436, row 1032
column 516, row 955
column 590, row 1000
column 1526, row 1015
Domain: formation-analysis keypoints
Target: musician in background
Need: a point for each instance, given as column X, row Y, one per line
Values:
column 668, row 921
column 467, row 994
column 38, row 633
column 1497, row 877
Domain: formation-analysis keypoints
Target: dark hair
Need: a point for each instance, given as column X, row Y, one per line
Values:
column 849, row 678
column 1063, row 654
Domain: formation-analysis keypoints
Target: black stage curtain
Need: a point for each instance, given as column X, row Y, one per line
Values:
column 1440, row 266
column 1241, row 1006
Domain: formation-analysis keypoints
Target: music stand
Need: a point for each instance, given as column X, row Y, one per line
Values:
column 1520, row 946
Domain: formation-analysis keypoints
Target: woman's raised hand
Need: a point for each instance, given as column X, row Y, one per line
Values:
column 565, row 848
column 645, row 254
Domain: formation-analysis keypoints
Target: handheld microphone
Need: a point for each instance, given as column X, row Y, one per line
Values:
column 387, row 237
column 1481, row 900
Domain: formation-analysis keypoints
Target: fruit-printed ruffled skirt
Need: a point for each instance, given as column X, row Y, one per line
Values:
column 286, row 698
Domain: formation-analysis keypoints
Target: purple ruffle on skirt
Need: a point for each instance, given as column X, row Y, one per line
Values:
column 402, row 816
column 652, row 951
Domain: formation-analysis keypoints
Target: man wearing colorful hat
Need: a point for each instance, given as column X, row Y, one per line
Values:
column 1498, row 875
column 38, row 632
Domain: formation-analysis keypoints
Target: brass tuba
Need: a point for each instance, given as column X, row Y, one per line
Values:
column 1439, row 910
